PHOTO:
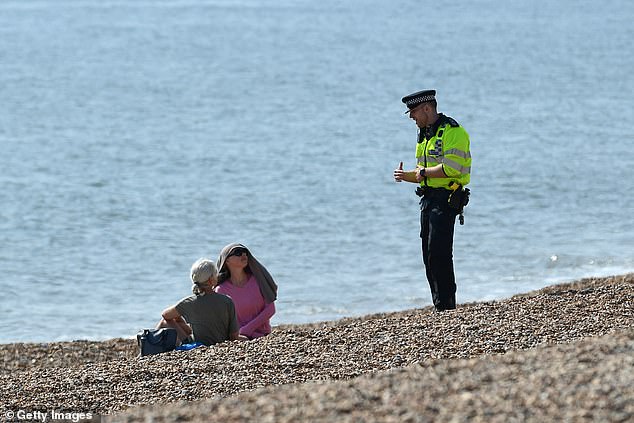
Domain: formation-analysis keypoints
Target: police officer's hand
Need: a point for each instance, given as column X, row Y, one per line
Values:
column 418, row 175
column 398, row 173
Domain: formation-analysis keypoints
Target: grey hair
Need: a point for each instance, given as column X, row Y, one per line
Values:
column 201, row 272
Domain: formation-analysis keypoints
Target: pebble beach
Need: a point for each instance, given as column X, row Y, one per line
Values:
column 563, row 353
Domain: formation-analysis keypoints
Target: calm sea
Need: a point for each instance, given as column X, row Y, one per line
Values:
column 138, row 136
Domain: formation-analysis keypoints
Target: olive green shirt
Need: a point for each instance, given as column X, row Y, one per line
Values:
column 211, row 316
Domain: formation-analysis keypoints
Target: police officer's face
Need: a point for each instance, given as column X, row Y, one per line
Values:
column 420, row 115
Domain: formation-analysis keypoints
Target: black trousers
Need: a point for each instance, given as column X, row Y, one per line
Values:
column 437, row 222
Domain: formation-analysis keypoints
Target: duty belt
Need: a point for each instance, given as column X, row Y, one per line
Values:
column 430, row 192
column 457, row 199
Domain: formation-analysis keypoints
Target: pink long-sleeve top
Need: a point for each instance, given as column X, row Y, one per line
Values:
column 254, row 314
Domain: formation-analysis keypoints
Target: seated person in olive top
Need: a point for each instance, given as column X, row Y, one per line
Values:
column 206, row 316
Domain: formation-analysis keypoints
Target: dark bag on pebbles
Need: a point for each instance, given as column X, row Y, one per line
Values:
column 155, row 341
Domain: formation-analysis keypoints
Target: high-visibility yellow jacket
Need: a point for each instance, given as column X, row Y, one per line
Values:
column 448, row 145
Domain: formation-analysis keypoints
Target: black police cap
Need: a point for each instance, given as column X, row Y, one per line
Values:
column 420, row 97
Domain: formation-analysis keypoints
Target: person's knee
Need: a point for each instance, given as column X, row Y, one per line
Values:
column 162, row 324
column 440, row 253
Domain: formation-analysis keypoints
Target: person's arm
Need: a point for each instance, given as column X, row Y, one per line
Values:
column 235, row 336
column 172, row 314
column 263, row 317
column 405, row 175
column 414, row 175
column 457, row 156
column 234, row 328
column 431, row 172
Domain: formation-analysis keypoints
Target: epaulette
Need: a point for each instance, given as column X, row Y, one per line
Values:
column 451, row 121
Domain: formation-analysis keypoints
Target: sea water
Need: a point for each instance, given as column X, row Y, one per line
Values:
column 138, row 136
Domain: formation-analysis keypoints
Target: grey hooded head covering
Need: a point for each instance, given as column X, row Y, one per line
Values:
column 268, row 287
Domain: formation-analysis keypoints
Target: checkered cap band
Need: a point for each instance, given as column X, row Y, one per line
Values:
column 421, row 99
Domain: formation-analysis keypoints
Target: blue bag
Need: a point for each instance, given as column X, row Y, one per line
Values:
column 155, row 341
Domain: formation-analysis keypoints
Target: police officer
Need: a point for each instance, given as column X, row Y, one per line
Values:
column 443, row 169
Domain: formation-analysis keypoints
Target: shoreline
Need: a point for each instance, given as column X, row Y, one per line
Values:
column 130, row 334
column 561, row 282
column 120, row 347
column 105, row 377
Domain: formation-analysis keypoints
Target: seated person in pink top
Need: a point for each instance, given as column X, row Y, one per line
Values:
column 251, row 288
